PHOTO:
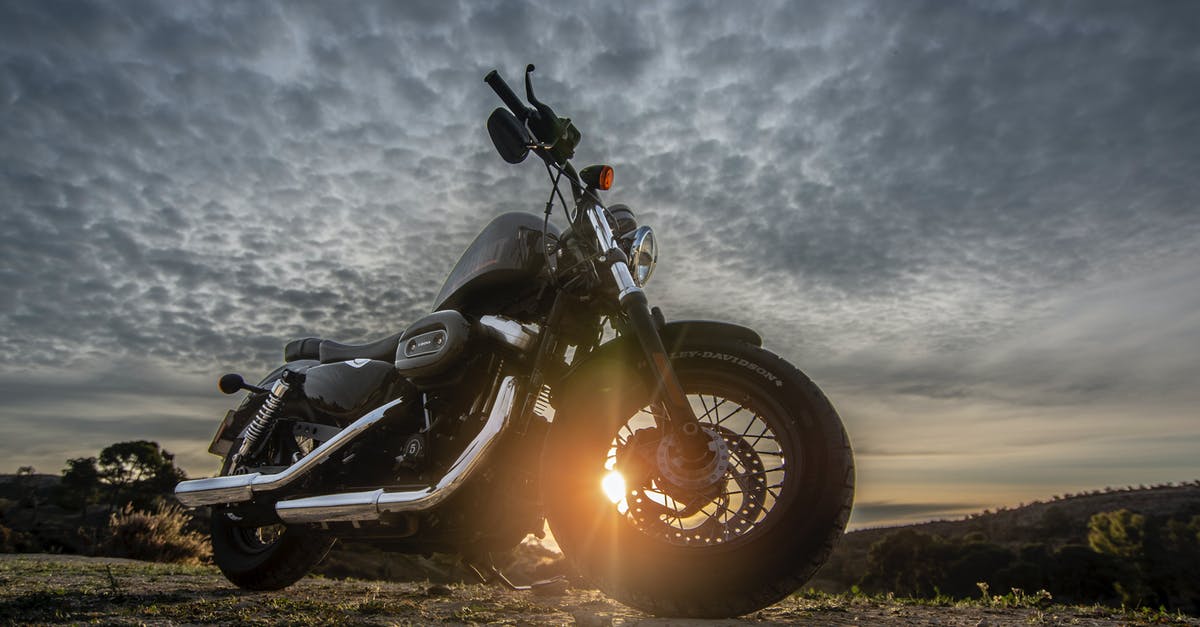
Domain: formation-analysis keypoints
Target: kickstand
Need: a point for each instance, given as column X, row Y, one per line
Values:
column 490, row 574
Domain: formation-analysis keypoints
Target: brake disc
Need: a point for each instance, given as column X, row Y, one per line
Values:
column 659, row 507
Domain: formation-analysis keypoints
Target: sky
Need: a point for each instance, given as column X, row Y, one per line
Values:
column 973, row 224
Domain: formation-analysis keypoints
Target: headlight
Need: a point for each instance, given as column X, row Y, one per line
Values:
column 643, row 254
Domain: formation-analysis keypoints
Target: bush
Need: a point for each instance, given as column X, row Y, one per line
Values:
column 158, row 536
column 14, row 541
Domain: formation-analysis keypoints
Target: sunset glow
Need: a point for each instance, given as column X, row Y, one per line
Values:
column 613, row 485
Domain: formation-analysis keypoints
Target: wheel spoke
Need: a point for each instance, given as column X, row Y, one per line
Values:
column 754, row 478
column 708, row 411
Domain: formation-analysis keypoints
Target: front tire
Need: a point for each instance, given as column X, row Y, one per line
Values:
column 753, row 538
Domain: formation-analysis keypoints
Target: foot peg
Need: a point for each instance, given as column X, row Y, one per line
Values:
column 490, row 574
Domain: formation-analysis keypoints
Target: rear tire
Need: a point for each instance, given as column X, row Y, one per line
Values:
column 707, row 569
column 262, row 558
column 250, row 563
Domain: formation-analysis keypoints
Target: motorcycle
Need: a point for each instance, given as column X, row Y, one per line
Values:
column 682, row 468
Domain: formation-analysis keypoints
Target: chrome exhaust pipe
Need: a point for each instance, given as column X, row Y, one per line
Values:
column 240, row 488
column 370, row 505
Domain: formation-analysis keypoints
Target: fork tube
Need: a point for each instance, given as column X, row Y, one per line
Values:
column 633, row 301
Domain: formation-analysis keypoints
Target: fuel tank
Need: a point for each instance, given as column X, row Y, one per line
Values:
column 505, row 257
column 347, row 387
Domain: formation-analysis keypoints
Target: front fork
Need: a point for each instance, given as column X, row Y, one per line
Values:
column 680, row 418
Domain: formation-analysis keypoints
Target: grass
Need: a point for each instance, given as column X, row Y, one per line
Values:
column 73, row 590
column 1038, row 608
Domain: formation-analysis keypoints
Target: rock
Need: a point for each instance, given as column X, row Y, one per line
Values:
column 554, row 588
column 590, row 619
column 438, row 590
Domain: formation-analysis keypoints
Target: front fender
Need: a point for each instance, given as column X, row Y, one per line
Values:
column 675, row 335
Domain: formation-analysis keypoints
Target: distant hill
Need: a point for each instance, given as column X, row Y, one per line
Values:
column 1056, row 523
column 11, row 486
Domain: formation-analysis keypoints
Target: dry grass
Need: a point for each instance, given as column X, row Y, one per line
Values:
column 66, row 589
column 158, row 536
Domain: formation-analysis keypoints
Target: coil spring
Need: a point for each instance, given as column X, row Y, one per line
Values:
column 542, row 406
column 263, row 419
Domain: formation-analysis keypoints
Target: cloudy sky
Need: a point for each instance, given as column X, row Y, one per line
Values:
column 974, row 224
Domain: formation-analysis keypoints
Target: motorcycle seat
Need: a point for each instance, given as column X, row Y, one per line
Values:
column 304, row 348
column 329, row 351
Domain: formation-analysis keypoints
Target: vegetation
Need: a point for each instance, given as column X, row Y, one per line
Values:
column 158, row 536
column 1136, row 548
column 100, row 505
column 136, row 472
column 61, row 589
column 1071, row 552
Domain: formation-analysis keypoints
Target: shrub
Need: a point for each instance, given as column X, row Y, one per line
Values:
column 158, row 536
column 14, row 541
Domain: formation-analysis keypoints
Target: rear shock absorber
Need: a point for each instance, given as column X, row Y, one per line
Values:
column 261, row 425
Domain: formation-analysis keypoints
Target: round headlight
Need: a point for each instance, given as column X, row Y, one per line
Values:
column 643, row 254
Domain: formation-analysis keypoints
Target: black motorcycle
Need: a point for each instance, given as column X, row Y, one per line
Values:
column 683, row 469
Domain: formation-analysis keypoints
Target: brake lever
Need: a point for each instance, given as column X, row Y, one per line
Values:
column 529, row 86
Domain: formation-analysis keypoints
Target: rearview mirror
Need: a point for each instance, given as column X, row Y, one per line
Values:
column 509, row 135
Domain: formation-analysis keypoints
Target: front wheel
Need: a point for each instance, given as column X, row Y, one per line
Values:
column 705, row 537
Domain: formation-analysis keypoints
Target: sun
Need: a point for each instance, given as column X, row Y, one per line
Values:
column 613, row 485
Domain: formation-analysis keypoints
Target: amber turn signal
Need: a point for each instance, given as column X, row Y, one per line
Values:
column 597, row 176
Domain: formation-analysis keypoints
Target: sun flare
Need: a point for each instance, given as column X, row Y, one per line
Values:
column 613, row 485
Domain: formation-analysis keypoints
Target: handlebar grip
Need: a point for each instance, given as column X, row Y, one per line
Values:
column 506, row 94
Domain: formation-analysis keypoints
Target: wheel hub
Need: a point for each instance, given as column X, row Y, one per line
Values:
column 701, row 469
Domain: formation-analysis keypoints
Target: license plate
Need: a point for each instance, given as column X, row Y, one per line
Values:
column 223, row 440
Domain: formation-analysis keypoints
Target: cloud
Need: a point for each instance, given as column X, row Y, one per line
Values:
column 989, row 208
column 883, row 513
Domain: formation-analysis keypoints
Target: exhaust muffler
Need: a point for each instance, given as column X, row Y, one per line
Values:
column 241, row 488
column 371, row 505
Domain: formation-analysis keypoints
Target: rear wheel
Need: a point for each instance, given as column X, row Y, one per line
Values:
column 265, row 557
column 711, row 536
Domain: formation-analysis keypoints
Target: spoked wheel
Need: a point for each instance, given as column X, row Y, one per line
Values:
column 252, row 540
column 716, row 534
column 271, row 556
column 725, row 503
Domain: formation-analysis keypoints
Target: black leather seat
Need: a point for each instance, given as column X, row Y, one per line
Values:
column 304, row 348
column 330, row 351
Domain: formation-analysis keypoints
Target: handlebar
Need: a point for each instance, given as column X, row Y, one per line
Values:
column 506, row 94
column 557, row 136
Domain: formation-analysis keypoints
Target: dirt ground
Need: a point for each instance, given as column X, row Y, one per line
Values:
column 70, row 589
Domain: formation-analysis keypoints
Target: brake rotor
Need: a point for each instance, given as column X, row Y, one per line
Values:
column 658, row 505
column 751, row 481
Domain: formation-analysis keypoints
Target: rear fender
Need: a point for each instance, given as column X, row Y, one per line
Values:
column 237, row 419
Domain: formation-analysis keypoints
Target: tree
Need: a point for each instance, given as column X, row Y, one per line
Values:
column 908, row 563
column 27, row 484
column 1175, row 559
column 80, row 485
column 138, row 472
column 971, row 563
column 1122, row 535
